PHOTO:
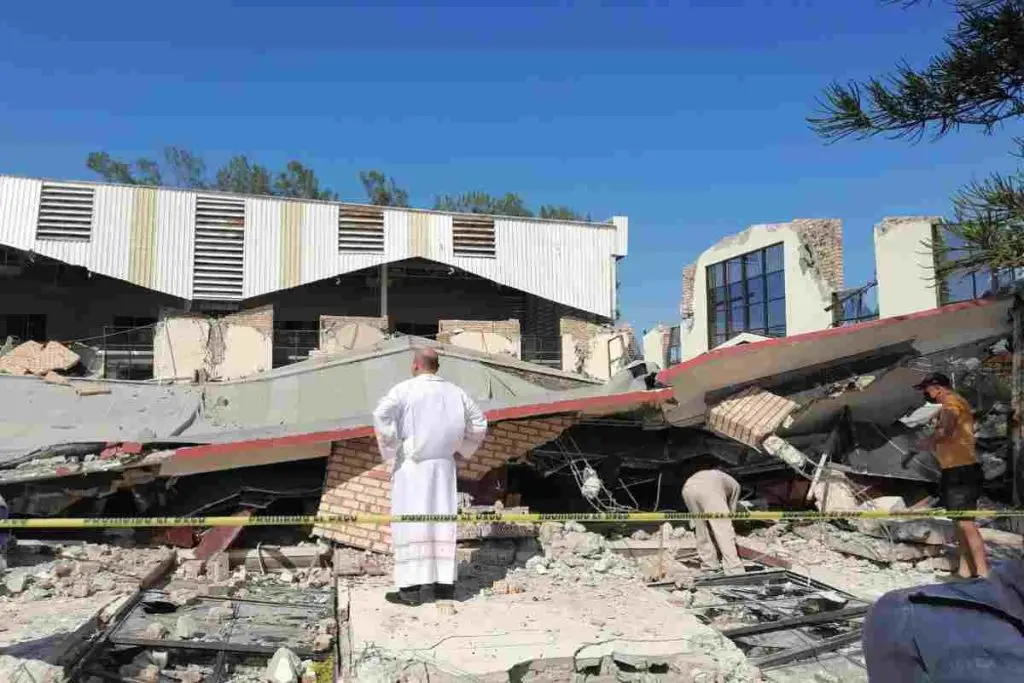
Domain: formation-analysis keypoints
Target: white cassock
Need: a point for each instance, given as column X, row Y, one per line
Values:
column 420, row 425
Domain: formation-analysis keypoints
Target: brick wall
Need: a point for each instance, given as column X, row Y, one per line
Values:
column 261, row 318
column 581, row 330
column 689, row 277
column 824, row 239
column 358, row 482
column 506, row 328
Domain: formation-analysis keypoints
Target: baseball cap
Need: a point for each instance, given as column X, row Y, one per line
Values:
column 933, row 379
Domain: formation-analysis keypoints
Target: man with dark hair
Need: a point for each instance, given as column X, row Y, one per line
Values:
column 961, row 479
column 422, row 425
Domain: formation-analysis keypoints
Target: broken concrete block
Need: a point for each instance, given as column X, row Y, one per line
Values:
column 155, row 631
column 222, row 613
column 322, row 642
column 191, row 570
column 150, row 674
column 81, row 589
column 347, row 563
column 283, row 667
column 186, row 627
column 218, row 568
column 16, row 670
column 16, row 582
column 53, row 378
column 286, row 577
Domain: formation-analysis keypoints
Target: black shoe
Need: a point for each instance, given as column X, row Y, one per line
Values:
column 408, row 597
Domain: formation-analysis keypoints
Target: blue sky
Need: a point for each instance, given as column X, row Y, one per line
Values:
column 687, row 117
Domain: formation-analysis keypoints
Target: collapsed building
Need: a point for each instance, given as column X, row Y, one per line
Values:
column 821, row 417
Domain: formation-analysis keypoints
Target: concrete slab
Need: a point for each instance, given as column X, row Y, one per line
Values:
column 569, row 627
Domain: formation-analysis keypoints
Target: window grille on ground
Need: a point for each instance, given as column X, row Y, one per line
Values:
column 65, row 213
column 747, row 294
column 218, row 269
column 542, row 350
column 473, row 236
column 361, row 229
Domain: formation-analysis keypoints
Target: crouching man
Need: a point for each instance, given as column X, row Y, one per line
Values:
column 714, row 491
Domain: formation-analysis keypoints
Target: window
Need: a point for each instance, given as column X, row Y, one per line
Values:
column 473, row 235
column 747, row 294
column 65, row 213
column 23, row 327
column 218, row 265
column 127, row 347
column 361, row 229
column 961, row 285
column 855, row 305
column 293, row 340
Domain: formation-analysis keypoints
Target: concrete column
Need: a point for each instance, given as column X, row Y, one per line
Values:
column 384, row 290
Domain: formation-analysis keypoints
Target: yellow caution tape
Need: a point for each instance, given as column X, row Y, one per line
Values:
column 486, row 518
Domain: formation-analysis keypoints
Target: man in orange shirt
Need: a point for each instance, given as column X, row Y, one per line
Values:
column 960, row 484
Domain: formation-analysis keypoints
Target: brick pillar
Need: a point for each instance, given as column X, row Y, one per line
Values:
column 358, row 482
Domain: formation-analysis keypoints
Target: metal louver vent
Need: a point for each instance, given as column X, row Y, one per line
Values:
column 473, row 236
column 361, row 229
column 65, row 213
column 218, row 269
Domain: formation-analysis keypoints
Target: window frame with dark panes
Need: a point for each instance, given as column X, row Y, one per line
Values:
column 747, row 293
column 29, row 327
column 980, row 283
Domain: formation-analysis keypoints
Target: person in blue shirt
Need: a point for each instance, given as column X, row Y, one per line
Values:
column 961, row 632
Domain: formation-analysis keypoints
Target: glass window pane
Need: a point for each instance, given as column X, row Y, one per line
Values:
column 777, row 313
column 756, row 316
column 754, row 263
column 720, row 320
column 716, row 276
column 736, row 293
column 777, row 331
column 718, row 295
column 776, row 285
column 734, row 270
column 959, row 287
column 774, row 259
column 755, row 290
column 718, row 340
column 759, row 330
column 737, row 320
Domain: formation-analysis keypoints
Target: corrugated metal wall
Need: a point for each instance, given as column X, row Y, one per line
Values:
column 147, row 236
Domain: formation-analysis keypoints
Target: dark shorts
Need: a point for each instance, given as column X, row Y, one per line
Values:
column 960, row 487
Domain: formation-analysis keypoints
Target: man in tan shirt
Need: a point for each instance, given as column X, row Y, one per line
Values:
column 960, row 484
column 714, row 491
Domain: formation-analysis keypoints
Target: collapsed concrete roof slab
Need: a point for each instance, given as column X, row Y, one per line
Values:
column 763, row 362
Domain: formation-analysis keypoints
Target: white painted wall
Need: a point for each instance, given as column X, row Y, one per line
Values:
column 905, row 265
column 655, row 345
column 807, row 295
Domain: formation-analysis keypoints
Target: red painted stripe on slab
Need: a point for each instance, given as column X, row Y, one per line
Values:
column 740, row 349
column 613, row 401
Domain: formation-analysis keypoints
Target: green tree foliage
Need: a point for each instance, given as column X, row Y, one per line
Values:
column 382, row 190
column 509, row 204
column 977, row 81
column 182, row 168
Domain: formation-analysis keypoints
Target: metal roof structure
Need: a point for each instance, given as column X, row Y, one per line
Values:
column 215, row 246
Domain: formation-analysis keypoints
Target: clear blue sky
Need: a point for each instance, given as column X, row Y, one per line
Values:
column 687, row 117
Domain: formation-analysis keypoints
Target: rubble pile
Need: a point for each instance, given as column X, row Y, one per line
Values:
column 80, row 571
column 573, row 554
column 810, row 549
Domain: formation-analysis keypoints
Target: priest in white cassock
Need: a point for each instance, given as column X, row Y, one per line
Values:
column 423, row 425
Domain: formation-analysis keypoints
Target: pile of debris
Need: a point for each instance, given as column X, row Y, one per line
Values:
column 47, row 360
